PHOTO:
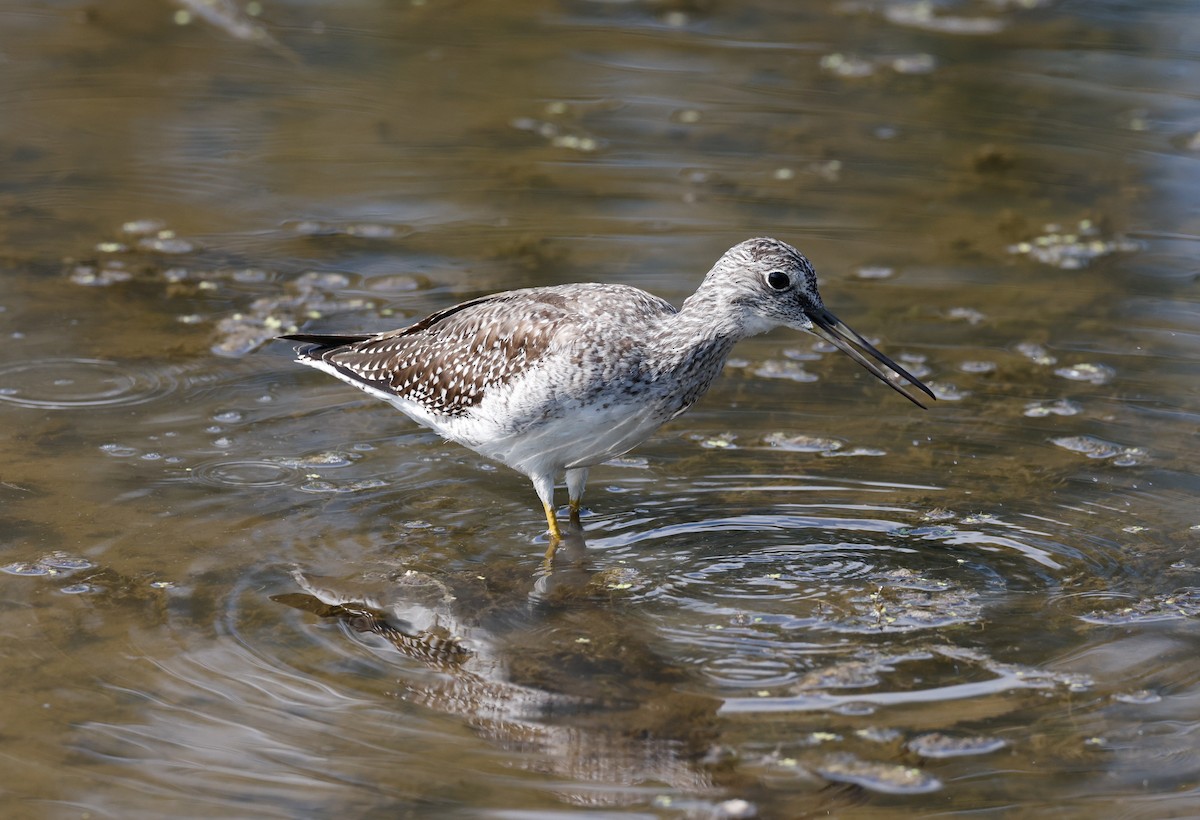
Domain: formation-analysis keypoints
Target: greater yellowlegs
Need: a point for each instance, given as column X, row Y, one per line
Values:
column 555, row 380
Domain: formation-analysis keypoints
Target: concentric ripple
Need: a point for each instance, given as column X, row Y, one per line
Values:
column 68, row 384
column 246, row 473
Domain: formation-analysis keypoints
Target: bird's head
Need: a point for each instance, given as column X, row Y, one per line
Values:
column 770, row 283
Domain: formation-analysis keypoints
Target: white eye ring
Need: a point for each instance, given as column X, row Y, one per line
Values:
column 778, row 280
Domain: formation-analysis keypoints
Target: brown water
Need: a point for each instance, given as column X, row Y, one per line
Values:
column 235, row 587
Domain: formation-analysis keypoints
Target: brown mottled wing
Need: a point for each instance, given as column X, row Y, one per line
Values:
column 445, row 362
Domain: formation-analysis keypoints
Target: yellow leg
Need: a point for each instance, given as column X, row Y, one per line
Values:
column 576, row 478
column 543, row 483
column 552, row 521
column 555, row 533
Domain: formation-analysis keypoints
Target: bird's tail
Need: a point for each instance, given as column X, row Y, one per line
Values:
column 315, row 344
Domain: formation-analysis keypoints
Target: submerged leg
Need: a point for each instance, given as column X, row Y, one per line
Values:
column 576, row 478
column 544, row 485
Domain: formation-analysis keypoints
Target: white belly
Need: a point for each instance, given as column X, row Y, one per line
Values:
column 584, row 438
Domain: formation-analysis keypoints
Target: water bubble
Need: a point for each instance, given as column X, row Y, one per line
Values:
column 783, row 369
column 854, row 451
column 227, row 416
column 111, row 274
column 846, row 65
column 886, row 778
column 1094, row 373
column 635, row 462
column 914, row 64
column 721, row 441
column 250, row 276
column 143, row 227
column 1071, row 250
column 53, row 563
column 118, row 450
column 344, row 487
column 65, row 561
column 396, row 283
column 325, row 280
column 1093, row 447
column 1036, row 353
column 935, row 532
column 1140, row 697
column 977, row 367
column 1164, row 607
column 855, row 708
column 329, row 458
column 878, row 734
column 937, row 514
column 947, row 392
column 1061, row 407
column 25, row 568
column 166, row 242
column 938, row 745
column 916, row 365
column 800, row 355
column 845, row 675
column 801, row 443
column 829, row 170
column 736, row 809
column 557, row 135
column 965, row 314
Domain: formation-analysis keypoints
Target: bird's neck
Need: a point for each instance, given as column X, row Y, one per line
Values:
column 710, row 312
column 704, row 329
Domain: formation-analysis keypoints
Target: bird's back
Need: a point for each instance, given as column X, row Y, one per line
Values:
column 442, row 368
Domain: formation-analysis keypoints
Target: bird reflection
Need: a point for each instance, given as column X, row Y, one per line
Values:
column 548, row 672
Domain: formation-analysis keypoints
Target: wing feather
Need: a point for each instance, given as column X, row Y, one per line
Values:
column 447, row 361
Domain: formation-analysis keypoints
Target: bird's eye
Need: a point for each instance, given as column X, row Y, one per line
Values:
column 778, row 280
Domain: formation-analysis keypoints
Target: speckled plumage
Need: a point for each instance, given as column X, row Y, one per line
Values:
column 557, row 379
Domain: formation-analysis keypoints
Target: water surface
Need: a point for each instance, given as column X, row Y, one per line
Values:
column 234, row 587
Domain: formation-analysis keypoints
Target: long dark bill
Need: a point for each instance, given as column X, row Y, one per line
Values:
column 844, row 338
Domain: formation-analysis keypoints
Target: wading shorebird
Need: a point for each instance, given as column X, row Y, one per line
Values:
column 555, row 380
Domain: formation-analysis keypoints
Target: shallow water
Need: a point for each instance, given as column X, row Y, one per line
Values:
column 233, row 586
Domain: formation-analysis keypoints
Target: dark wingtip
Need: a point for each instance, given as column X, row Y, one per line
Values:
column 323, row 338
column 317, row 343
